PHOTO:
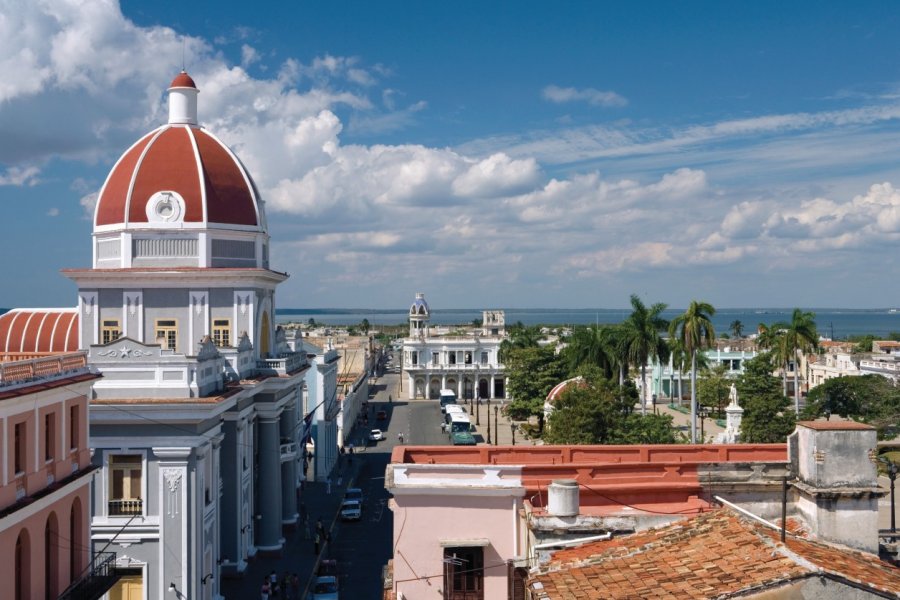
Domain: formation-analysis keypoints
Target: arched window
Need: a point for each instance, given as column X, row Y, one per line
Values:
column 23, row 567
column 76, row 544
column 51, row 557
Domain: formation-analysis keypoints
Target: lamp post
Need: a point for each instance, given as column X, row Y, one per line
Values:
column 478, row 411
column 496, row 425
column 892, row 470
column 512, row 430
column 702, row 412
column 489, row 420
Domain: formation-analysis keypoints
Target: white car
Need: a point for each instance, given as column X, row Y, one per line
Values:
column 376, row 435
column 351, row 510
column 325, row 588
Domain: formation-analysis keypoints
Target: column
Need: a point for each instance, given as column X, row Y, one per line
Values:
column 427, row 385
column 230, row 525
column 444, row 381
column 174, row 530
column 288, row 469
column 268, row 493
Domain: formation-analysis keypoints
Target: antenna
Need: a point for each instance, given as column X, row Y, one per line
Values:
column 182, row 53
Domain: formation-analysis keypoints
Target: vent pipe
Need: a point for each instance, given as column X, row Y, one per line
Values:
column 563, row 498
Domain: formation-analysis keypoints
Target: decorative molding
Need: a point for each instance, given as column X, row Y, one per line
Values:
column 125, row 352
column 207, row 349
column 88, row 300
column 173, row 482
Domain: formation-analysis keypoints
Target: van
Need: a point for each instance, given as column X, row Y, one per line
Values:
column 452, row 409
column 447, row 397
column 460, row 430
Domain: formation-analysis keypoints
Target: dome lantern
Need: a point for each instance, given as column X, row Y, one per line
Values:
column 183, row 100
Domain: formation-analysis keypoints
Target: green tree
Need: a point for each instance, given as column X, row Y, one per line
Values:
column 592, row 345
column 800, row 337
column 311, row 322
column 596, row 411
column 519, row 336
column 767, row 416
column 532, row 372
column 695, row 331
column 713, row 389
column 365, row 326
column 737, row 329
column 641, row 339
column 870, row 399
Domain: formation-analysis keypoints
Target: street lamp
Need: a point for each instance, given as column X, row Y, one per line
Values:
column 488, row 401
column 702, row 412
column 471, row 412
column 892, row 470
column 512, row 430
column 478, row 411
column 496, row 425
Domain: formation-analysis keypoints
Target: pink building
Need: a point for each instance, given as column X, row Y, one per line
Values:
column 46, row 466
column 474, row 523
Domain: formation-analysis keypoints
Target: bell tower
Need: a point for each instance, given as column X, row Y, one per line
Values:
column 418, row 317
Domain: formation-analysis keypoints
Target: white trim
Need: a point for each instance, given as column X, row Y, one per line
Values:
column 113, row 170
column 200, row 180
column 118, row 228
column 137, row 167
column 25, row 329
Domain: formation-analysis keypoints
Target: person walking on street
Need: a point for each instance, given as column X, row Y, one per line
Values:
column 306, row 533
column 265, row 589
column 400, row 437
column 273, row 583
column 317, row 543
column 295, row 586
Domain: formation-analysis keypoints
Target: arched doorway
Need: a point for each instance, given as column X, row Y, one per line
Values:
column 468, row 389
column 483, row 389
column 452, row 385
column 51, row 557
column 23, row 567
column 420, row 388
column 434, row 389
column 264, row 335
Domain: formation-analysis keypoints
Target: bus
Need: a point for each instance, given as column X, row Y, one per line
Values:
column 447, row 397
column 460, row 430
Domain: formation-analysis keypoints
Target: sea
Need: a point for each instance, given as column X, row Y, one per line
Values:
column 834, row 323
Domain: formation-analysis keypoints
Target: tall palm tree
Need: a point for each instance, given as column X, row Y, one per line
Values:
column 642, row 341
column 737, row 329
column 800, row 336
column 695, row 331
column 591, row 345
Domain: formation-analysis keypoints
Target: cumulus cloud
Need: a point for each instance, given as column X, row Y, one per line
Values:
column 560, row 95
column 19, row 176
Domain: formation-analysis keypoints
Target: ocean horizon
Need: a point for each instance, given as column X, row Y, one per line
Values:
column 835, row 323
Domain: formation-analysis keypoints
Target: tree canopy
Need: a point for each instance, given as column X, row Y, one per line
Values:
column 870, row 399
column 767, row 416
column 532, row 372
column 641, row 339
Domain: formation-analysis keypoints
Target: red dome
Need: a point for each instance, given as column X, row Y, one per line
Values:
column 183, row 80
column 214, row 187
column 39, row 331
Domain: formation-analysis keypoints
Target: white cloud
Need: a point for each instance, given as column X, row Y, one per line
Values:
column 249, row 55
column 497, row 175
column 19, row 176
column 593, row 97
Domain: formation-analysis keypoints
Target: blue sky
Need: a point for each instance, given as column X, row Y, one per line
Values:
column 489, row 154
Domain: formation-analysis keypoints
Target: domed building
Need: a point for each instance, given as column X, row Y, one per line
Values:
column 469, row 365
column 200, row 404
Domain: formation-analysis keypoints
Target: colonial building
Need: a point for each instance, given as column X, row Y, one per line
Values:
column 480, row 522
column 196, row 424
column 468, row 364
column 46, row 473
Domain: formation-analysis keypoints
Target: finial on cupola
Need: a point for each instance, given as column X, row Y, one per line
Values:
column 183, row 100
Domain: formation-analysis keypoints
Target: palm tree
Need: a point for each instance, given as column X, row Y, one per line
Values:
column 800, row 336
column 641, row 339
column 594, row 346
column 695, row 331
column 737, row 329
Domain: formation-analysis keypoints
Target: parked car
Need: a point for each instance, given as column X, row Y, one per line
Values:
column 381, row 415
column 325, row 587
column 351, row 510
column 353, row 494
column 376, row 435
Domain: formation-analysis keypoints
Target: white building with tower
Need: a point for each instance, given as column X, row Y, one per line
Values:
column 466, row 362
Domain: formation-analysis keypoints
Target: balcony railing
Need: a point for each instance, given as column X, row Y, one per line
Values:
column 125, row 508
column 285, row 364
column 41, row 368
column 94, row 581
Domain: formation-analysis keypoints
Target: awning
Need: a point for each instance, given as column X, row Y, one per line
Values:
column 466, row 542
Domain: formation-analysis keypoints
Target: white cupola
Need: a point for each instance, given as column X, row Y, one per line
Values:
column 183, row 100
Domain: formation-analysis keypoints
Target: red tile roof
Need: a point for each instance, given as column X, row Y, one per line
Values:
column 39, row 331
column 715, row 555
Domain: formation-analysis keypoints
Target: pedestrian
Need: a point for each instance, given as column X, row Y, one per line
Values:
column 295, row 586
column 342, row 451
column 273, row 583
column 328, row 485
column 265, row 590
column 303, row 514
column 318, row 537
column 306, row 533
column 400, row 437
column 319, row 527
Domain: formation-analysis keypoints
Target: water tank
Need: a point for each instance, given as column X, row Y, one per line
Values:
column 563, row 498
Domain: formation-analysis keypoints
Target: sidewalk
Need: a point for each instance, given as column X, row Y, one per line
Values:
column 298, row 553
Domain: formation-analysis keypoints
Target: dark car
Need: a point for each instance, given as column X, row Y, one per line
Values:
column 381, row 415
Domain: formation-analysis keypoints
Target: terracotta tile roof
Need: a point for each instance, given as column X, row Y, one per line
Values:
column 715, row 555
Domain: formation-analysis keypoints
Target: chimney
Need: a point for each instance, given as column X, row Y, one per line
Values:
column 563, row 498
column 837, row 482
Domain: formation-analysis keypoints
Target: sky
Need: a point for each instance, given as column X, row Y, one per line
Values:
column 489, row 154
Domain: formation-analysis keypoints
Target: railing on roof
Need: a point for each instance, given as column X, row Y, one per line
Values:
column 42, row 367
column 284, row 364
